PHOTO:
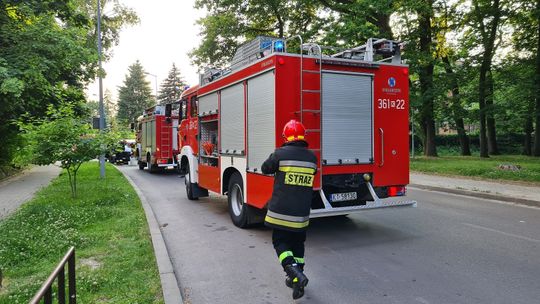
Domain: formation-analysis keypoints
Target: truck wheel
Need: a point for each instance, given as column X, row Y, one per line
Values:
column 235, row 196
column 179, row 169
column 151, row 167
column 189, row 185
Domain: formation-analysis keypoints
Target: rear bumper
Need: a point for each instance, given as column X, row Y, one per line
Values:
column 167, row 165
column 329, row 210
column 163, row 162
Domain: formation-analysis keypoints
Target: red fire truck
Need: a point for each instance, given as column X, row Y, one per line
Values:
column 157, row 138
column 354, row 104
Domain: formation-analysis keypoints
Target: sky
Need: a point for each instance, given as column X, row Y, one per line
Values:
column 165, row 34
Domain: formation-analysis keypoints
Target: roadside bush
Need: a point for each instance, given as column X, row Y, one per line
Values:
column 65, row 137
column 449, row 144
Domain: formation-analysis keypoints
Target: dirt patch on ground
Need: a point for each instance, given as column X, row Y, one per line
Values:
column 90, row 263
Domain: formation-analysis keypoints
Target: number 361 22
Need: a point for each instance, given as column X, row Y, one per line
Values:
column 398, row 104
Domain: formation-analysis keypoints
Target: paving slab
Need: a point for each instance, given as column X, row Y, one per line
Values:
column 18, row 189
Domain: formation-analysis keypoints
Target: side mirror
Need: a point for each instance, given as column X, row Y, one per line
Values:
column 168, row 110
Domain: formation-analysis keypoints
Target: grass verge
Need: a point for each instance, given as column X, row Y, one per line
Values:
column 481, row 168
column 106, row 224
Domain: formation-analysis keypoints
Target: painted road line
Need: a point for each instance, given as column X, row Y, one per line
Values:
column 502, row 232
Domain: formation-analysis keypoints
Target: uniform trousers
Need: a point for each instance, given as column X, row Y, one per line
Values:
column 289, row 246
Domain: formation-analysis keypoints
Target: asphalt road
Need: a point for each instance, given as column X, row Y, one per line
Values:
column 451, row 249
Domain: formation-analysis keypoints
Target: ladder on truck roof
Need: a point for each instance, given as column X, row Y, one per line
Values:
column 262, row 46
column 313, row 93
column 389, row 49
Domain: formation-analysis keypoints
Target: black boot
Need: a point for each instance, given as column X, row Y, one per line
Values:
column 299, row 280
column 288, row 279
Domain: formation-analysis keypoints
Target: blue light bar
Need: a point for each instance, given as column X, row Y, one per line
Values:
column 279, row 46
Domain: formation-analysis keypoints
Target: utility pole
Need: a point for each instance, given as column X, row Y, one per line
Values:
column 101, row 108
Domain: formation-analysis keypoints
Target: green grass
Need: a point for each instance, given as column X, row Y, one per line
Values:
column 107, row 226
column 477, row 167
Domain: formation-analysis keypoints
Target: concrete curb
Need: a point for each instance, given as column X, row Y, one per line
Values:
column 169, row 284
column 516, row 200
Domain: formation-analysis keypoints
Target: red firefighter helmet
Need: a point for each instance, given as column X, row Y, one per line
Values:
column 294, row 130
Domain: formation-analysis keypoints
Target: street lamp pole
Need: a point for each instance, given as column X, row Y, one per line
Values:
column 101, row 108
column 155, row 80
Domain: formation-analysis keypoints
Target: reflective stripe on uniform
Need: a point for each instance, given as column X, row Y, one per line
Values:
column 299, row 260
column 285, row 223
column 297, row 169
column 284, row 255
column 297, row 163
column 290, row 218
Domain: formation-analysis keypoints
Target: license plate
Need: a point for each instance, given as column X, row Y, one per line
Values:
column 340, row 197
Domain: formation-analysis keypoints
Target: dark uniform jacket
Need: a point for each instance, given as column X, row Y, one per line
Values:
column 294, row 167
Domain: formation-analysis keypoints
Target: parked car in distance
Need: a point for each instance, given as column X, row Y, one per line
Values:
column 122, row 152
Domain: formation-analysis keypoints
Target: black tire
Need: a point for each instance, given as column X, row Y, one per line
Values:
column 179, row 169
column 238, row 211
column 151, row 167
column 189, row 186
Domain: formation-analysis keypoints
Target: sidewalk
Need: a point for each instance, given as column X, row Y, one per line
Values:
column 520, row 194
column 18, row 189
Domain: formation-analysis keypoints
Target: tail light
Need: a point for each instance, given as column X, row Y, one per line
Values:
column 397, row 190
column 162, row 161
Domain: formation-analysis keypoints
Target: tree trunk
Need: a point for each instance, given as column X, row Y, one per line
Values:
column 488, row 42
column 464, row 141
column 426, row 79
column 536, row 151
column 490, row 117
column 71, row 181
column 482, row 105
column 457, row 110
column 528, row 128
column 383, row 24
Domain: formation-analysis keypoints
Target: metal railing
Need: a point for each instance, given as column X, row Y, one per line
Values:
column 46, row 291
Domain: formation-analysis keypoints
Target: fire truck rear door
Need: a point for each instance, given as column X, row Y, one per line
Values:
column 347, row 119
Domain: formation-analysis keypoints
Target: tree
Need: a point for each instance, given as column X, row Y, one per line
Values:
column 486, row 18
column 61, row 136
column 358, row 20
column 420, row 32
column 449, row 81
column 230, row 23
column 108, row 105
column 135, row 95
column 536, row 151
column 426, row 66
column 172, row 87
column 456, row 108
column 47, row 55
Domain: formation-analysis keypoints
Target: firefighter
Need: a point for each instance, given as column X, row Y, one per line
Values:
column 294, row 167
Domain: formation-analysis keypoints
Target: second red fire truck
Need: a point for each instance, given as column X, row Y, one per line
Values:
column 157, row 139
column 353, row 103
